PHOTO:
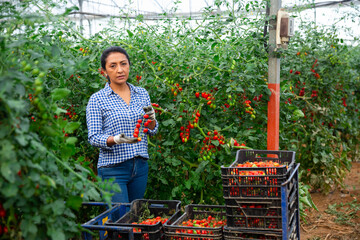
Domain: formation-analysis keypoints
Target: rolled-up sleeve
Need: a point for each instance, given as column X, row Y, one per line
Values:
column 154, row 131
column 94, row 121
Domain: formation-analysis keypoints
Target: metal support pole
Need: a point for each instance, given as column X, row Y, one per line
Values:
column 81, row 15
column 274, row 82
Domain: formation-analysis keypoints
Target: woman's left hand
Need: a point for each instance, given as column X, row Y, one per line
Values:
column 150, row 112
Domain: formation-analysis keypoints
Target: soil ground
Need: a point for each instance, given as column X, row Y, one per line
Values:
column 342, row 223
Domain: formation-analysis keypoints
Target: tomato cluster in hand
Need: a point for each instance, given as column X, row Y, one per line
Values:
column 139, row 126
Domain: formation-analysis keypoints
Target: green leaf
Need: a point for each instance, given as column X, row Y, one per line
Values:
column 60, row 93
column 7, row 151
column 71, row 140
column 201, row 166
column 58, row 111
column 9, row 190
column 239, row 89
column 49, row 180
column 168, row 143
column 58, row 206
column 198, row 40
column 74, row 202
column 16, row 105
column 49, row 131
column 55, row 51
column 18, row 43
column 252, row 90
column 94, row 85
column 130, row 33
column 93, row 194
column 188, row 184
column 69, row 10
column 72, row 126
column 9, row 170
column 216, row 58
column 28, row 192
column 251, row 138
column 181, row 107
column 163, row 180
column 169, row 122
column 297, row 114
column 175, row 162
column 27, row 226
column 56, row 233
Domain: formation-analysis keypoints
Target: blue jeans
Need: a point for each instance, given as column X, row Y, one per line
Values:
column 131, row 175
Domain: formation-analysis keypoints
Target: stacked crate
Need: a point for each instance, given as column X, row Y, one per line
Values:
column 261, row 202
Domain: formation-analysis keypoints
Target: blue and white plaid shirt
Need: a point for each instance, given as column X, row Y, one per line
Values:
column 107, row 114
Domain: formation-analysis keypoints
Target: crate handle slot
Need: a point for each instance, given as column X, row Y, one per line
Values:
column 292, row 175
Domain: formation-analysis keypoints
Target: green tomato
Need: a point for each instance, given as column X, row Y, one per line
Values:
column 42, row 74
column 27, row 67
column 38, row 81
column 39, row 89
column 35, row 71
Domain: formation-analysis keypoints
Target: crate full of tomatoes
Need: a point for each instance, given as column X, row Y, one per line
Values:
column 198, row 222
column 266, row 214
column 257, row 174
column 147, row 217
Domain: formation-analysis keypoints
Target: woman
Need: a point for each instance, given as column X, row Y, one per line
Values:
column 112, row 115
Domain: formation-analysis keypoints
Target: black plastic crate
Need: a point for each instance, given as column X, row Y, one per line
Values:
column 235, row 234
column 176, row 230
column 263, row 214
column 252, row 220
column 147, row 207
column 230, row 233
column 245, row 182
column 99, row 214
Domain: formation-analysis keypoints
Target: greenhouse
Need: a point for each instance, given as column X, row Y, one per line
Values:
column 159, row 119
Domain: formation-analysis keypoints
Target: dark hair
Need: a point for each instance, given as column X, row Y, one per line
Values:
column 109, row 50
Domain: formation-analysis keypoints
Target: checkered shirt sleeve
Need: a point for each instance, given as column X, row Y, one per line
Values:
column 107, row 114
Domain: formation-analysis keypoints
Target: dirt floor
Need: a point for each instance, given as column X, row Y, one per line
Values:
column 341, row 220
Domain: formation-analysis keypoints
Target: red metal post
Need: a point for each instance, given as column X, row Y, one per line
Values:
column 273, row 117
column 274, row 82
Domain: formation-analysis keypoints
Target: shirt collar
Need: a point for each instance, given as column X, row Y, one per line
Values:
column 109, row 91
